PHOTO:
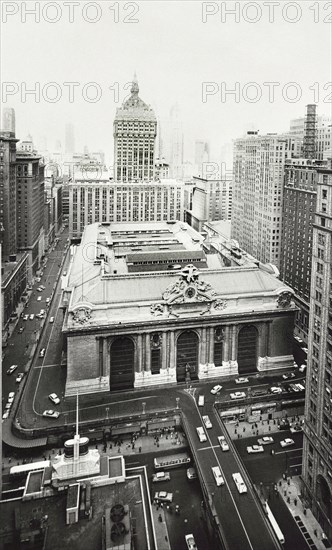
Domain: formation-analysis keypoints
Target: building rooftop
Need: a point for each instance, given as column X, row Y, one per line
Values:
column 121, row 273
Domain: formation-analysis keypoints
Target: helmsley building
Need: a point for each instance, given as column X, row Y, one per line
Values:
column 144, row 305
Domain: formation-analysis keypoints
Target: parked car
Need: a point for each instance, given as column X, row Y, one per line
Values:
column 302, row 368
column 207, row 421
column 42, row 352
column 25, row 317
column 42, row 287
column 296, row 428
column 5, row 414
column 54, row 398
column 47, row 300
column 200, row 399
column 216, row 389
column 191, row 473
column 266, row 440
column 163, row 496
column 255, row 449
column 287, row 442
column 39, row 299
column 223, row 443
column 161, row 476
column 275, row 389
column 241, row 380
column 11, row 396
column 11, row 369
column 237, row 395
column 38, row 279
column 51, row 414
column 39, row 289
column 19, row 377
column 51, row 320
column 31, row 316
column 217, row 476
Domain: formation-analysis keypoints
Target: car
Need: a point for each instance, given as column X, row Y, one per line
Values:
column 5, row 414
column 305, row 350
column 54, row 398
column 207, row 421
column 240, row 485
column 42, row 352
column 241, row 380
column 298, row 339
column 47, row 300
column 39, row 299
column 64, row 273
column 11, row 396
column 287, row 442
column 31, row 317
column 25, row 317
column 284, row 424
column 255, row 449
column 223, row 444
column 300, row 387
column 38, row 279
column 259, row 392
column 201, row 400
column 237, row 395
column 161, row 476
column 163, row 496
column 51, row 414
column 191, row 473
column 302, row 368
column 8, row 406
column 51, row 320
column 217, row 476
column 20, row 330
column 19, row 377
column 296, row 428
column 266, row 440
column 201, row 434
column 216, row 389
column 294, row 387
column 42, row 312
column 42, row 287
column 292, row 375
column 191, row 544
column 11, row 369
column 285, row 376
column 275, row 389
column 39, row 289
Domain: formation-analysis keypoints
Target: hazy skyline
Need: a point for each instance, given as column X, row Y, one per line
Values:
column 174, row 53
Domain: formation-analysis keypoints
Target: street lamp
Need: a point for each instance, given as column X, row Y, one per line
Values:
column 143, row 407
column 177, row 399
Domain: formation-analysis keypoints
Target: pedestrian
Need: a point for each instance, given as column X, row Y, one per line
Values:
column 295, row 501
column 119, row 449
column 315, row 532
column 140, row 449
column 160, row 518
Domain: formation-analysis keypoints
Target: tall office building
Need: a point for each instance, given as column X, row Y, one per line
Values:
column 211, row 201
column 317, row 449
column 323, row 146
column 30, row 207
column 176, row 143
column 8, row 119
column 202, row 156
column 257, row 194
column 69, row 139
column 8, row 193
column 104, row 202
column 135, row 131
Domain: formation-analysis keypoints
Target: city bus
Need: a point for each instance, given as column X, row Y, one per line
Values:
column 24, row 469
column 171, row 461
column 274, row 524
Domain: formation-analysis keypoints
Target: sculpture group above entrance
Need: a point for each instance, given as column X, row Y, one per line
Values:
column 188, row 288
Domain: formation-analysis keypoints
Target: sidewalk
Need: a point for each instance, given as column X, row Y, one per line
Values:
column 290, row 491
column 242, row 429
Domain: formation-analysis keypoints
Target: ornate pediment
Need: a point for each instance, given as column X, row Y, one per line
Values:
column 284, row 299
column 188, row 288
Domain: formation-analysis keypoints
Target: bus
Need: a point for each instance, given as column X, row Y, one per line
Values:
column 274, row 524
column 171, row 461
column 24, row 469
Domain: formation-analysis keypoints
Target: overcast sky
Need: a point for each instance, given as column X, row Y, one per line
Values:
column 174, row 52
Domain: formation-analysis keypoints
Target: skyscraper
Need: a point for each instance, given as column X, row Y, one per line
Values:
column 258, row 192
column 135, row 131
column 8, row 119
column 202, row 156
column 8, row 193
column 176, row 143
column 317, row 448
